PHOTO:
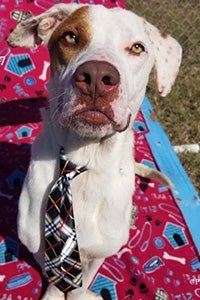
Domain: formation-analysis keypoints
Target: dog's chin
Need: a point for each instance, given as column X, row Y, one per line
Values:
column 92, row 124
column 92, row 132
column 96, row 130
column 89, row 124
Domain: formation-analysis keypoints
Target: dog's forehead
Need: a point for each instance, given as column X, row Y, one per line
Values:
column 116, row 20
column 116, row 26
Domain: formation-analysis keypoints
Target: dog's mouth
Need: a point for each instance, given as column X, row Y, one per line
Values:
column 92, row 117
column 95, row 119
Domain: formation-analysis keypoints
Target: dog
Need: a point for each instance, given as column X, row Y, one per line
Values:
column 100, row 64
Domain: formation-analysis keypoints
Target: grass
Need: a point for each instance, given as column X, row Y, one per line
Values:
column 179, row 112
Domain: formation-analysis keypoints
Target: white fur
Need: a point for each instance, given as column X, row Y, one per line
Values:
column 102, row 195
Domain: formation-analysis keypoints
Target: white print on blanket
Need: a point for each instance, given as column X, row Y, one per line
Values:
column 10, row 297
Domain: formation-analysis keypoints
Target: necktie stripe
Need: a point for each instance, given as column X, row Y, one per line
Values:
column 64, row 167
column 51, row 247
column 67, row 271
column 54, row 203
column 68, row 215
column 62, row 259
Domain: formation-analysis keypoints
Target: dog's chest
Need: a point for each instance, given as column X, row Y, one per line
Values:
column 102, row 206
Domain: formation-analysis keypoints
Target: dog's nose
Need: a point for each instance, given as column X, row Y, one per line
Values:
column 96, row 78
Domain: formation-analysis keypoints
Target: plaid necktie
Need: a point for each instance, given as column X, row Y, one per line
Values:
column 62, row 260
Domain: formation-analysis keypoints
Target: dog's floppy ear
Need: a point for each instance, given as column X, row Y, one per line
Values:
column 37, row 29
column 168, row 53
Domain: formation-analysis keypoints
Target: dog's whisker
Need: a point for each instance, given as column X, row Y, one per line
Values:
column 54, row 114
column 56, row 97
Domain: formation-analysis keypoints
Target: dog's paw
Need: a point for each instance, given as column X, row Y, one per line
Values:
column 83, row 295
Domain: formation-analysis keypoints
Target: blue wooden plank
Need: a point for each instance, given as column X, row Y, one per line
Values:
column 184, row 193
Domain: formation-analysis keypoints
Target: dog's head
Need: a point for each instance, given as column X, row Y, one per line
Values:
column 100, row 63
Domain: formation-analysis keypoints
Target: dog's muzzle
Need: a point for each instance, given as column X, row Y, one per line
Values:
column 97, row 83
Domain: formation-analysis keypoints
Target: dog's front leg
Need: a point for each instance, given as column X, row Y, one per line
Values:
column 90, row 269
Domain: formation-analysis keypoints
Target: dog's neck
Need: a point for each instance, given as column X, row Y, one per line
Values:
column 90, row 152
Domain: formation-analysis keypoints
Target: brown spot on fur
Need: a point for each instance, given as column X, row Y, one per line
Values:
column 60, row 52
column 163, row 34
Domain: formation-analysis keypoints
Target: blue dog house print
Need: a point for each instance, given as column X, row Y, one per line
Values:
column 24, row 132
column 105, row 287
column 139, row 126
column 8, row 250
column 175, row 235
column 19, row 64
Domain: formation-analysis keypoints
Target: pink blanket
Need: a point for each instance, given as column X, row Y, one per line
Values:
column 159, row 261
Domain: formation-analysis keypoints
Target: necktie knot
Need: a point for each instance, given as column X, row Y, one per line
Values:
column 67, row 168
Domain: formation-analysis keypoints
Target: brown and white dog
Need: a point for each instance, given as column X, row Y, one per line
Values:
column 100, row 63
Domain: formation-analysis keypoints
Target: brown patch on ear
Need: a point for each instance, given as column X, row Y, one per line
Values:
column 168, row 54
column 77, row 23
column 163, row 34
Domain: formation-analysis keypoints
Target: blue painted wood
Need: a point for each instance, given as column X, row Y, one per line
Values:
column 184, row 193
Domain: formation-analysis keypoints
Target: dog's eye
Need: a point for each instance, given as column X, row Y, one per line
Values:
column 137, row 48
column 70, row 38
